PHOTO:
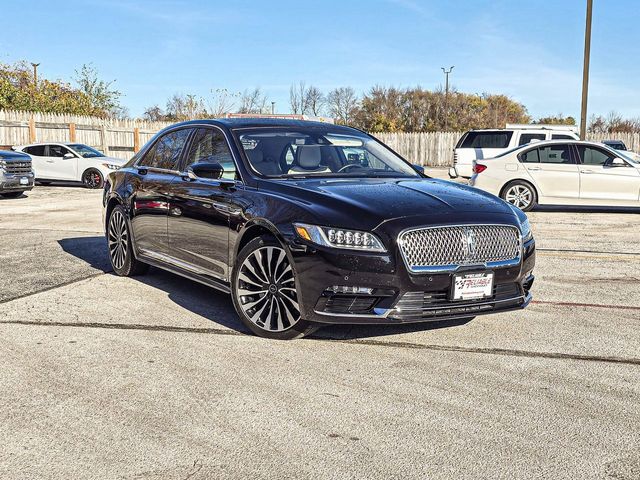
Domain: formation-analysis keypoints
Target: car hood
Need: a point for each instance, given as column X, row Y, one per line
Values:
column 374, row 201
column 112, row 160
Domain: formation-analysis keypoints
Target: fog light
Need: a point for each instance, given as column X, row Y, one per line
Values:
column 351, row 290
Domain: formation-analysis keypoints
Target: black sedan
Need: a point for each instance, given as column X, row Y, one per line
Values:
column 307, row 223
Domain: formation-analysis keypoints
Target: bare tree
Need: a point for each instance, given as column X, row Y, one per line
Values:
column 342, row 103
column 222, row 102
column 185, row 107
column 314, row 101
column 253, row 101
column 297, row 98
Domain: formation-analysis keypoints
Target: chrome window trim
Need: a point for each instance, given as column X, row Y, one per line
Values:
column 456, row 267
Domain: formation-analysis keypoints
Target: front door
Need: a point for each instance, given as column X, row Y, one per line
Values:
column 604, row 176
column 553, row 171
column 150, row 204
column 62, row 163
column 200, row 210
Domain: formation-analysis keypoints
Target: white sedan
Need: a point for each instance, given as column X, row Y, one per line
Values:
column 560, row 173
column 73, row 162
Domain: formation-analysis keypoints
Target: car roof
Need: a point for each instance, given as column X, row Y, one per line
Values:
column 247, row 122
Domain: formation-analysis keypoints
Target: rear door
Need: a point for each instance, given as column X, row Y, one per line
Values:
column 553, row 170
column 603, row 179
column 38, row 160
column 155, row 171
column 59, row 167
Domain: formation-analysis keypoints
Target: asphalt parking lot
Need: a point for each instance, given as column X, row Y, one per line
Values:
column 154, row 377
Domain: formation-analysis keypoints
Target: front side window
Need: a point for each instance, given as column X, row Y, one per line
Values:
column 528, row 137
column 555, row 154
column 58, row 151
column 319, row 151
column 166, row 152
column 487, row 140
column 210, row 146
column 594, row 156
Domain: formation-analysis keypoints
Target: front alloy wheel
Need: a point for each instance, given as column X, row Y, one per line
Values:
column 92, row 178
column 264, row 291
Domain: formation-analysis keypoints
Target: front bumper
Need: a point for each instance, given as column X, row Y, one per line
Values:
column 15, row 183
column 395, row 295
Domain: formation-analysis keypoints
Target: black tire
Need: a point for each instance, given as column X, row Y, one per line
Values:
column 92, row 178
column 264, row 266
column 119, row 246
column 11, row 194
column 521, row 194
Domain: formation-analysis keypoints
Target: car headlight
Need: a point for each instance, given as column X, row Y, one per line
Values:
column 111, row 166
column 525, row 229
column 339, row 238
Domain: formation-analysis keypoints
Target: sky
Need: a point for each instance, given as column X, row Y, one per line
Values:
column 529, row 50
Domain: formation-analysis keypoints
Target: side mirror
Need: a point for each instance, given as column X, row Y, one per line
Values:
column 618, row 162
column 418, row 168
column 68, row 156
column 209, row 171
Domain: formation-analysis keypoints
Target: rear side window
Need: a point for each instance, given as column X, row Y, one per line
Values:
column 555, row 154
column 166, row 152
column 37, row 150
column 528, row 137
column 561, row 136
column 487, row 140
column 531, row 156
column 594, row 156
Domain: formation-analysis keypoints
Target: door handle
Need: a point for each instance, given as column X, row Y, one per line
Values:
column 534, row 169
column 586, row 171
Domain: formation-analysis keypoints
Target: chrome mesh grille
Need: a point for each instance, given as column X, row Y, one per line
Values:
column 459, row 245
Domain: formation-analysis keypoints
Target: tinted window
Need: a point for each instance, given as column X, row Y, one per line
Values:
column 555, row 154
column 37, row 150
column 530, row 157
column 593, row 156
column 487, row 140
column 527, row 137
column 166, row 151
column 210, row 146
column 560, row 136
column 57, row 151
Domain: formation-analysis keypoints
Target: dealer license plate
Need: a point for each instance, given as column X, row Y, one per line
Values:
column 471, row 286
column 24, row 181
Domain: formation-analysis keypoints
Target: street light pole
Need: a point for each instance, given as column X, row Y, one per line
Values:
column 35, row 74
column 273, row 108
column 585, row 72
column 446, row 97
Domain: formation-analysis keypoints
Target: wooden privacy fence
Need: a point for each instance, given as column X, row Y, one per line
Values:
column 121, row 138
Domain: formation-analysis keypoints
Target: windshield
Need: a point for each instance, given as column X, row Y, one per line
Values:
column 284, row 152
column 86, row 151
column 625, row 154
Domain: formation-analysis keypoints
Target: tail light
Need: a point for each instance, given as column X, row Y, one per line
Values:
column 479, row 168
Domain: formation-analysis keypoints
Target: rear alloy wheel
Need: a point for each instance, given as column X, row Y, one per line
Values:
column 520, row 194
column 264, row 291
column 92, row 178
column 121, row 254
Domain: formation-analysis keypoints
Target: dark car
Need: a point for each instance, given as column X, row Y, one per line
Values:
column 16, row 174
column 615, row 144
column 307, row 223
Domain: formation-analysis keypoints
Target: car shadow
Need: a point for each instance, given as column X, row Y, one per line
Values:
column 580, row 209
column 216, row 306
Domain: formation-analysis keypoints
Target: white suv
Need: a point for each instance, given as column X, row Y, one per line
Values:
column 488, row 143
column 70, row 162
